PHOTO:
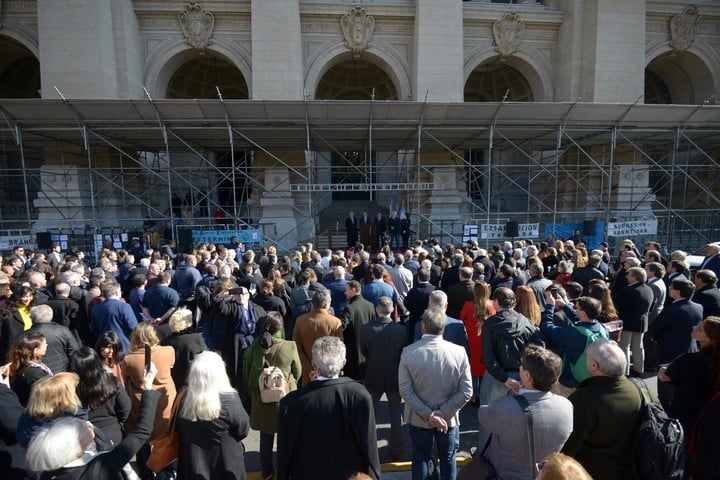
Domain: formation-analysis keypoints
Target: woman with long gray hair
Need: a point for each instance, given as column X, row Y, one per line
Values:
column 212, row 423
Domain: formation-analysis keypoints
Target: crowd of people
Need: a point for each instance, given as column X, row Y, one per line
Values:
column 100, row 361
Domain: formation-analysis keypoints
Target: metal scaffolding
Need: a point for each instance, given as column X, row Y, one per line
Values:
column 123, row 161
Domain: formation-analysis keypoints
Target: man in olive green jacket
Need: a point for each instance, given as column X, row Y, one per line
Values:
column 605, row 418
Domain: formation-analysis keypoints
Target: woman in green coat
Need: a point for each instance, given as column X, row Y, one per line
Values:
column 269, row 348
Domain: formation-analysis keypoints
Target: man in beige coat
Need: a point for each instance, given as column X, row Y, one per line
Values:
column 313, row 325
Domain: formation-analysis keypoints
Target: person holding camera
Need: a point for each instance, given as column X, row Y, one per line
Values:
column 572, row 340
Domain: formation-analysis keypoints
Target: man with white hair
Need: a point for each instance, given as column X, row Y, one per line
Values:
column 633, row 305
column 336, row 285
column 61, row 343
column 402, row 277
column 434, row 381
column 337, row 435
column 605, row 418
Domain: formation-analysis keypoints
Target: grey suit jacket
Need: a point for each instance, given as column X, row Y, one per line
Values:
column 434, row 374
column 509, row 452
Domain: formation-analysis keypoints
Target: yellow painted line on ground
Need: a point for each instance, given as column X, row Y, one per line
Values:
column 385, row 467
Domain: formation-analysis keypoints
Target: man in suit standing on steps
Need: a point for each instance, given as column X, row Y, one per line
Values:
column 351, row 229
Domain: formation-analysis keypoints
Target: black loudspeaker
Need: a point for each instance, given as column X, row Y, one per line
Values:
column 44, row 241
column 184, row 240
column 511, row 229
column 589, row 228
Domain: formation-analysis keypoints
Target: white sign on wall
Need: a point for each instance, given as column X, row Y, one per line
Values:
column 629, row 229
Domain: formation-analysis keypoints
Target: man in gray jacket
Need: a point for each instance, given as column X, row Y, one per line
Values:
column 552, row 418
column 434, row 381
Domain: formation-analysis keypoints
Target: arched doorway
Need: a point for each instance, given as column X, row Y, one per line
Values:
column 19, row 78
column 490, row 81
column 198, row 78
column 496, row 81
column 354, row 80
column 19, row 71
column 678, row 77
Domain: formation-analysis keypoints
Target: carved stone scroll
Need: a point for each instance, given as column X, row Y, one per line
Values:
column 683, row 28
column 357, row 28
column 197, row 25
column 508, row 33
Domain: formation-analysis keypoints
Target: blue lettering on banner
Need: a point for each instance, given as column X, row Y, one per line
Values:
column 223, row 237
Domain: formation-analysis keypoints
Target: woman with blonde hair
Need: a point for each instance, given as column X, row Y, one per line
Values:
column 578, row 259
column 527, row 304
column 133, row 371
column 51, row 397
column 186, row 342
column 212, row 423
column 473, row 314
column 558, row 466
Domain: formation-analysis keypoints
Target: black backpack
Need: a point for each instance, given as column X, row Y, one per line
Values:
column 658, row 444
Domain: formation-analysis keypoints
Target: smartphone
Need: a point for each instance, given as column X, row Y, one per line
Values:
column 147, row 358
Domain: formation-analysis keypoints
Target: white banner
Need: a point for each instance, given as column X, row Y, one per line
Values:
column 629, row 229
column 492, row 230
column 529, row 230
column 10, row 242
column 470, row 232
column 489, row 231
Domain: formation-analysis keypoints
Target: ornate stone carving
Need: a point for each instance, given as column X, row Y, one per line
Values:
column 683, row 28
column 197, row 25
column 357, row 28
column 508, row 33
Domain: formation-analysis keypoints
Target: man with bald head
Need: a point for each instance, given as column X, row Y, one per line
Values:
column 605, row 414
column 712, row 259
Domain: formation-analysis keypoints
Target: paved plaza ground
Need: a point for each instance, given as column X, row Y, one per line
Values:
column 393, row 470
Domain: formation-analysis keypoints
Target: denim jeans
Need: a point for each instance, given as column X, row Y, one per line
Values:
column 422, row 451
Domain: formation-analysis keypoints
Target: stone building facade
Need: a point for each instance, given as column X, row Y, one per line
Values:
column 446, row 51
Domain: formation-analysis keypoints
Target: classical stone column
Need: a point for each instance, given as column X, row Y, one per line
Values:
column 438, row 60
column 277, row 69
column 603, row 54
column 90, row 49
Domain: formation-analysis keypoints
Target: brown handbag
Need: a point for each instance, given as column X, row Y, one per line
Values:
column 166, row 448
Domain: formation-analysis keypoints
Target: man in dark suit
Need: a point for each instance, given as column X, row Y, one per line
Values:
column 707, row 294
column 233, row 331
column 351, row 229
column 451, row 276
column 454, row 331
column 460, row 293
column 380, row 230
column 633, row 304
column 382, row 342
column 337, row 422
column 482, row 257
column 672, row 330
column 583, row 275
column 357, row 313
column 712, row 259
column 366, row 234
column 416, row 301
